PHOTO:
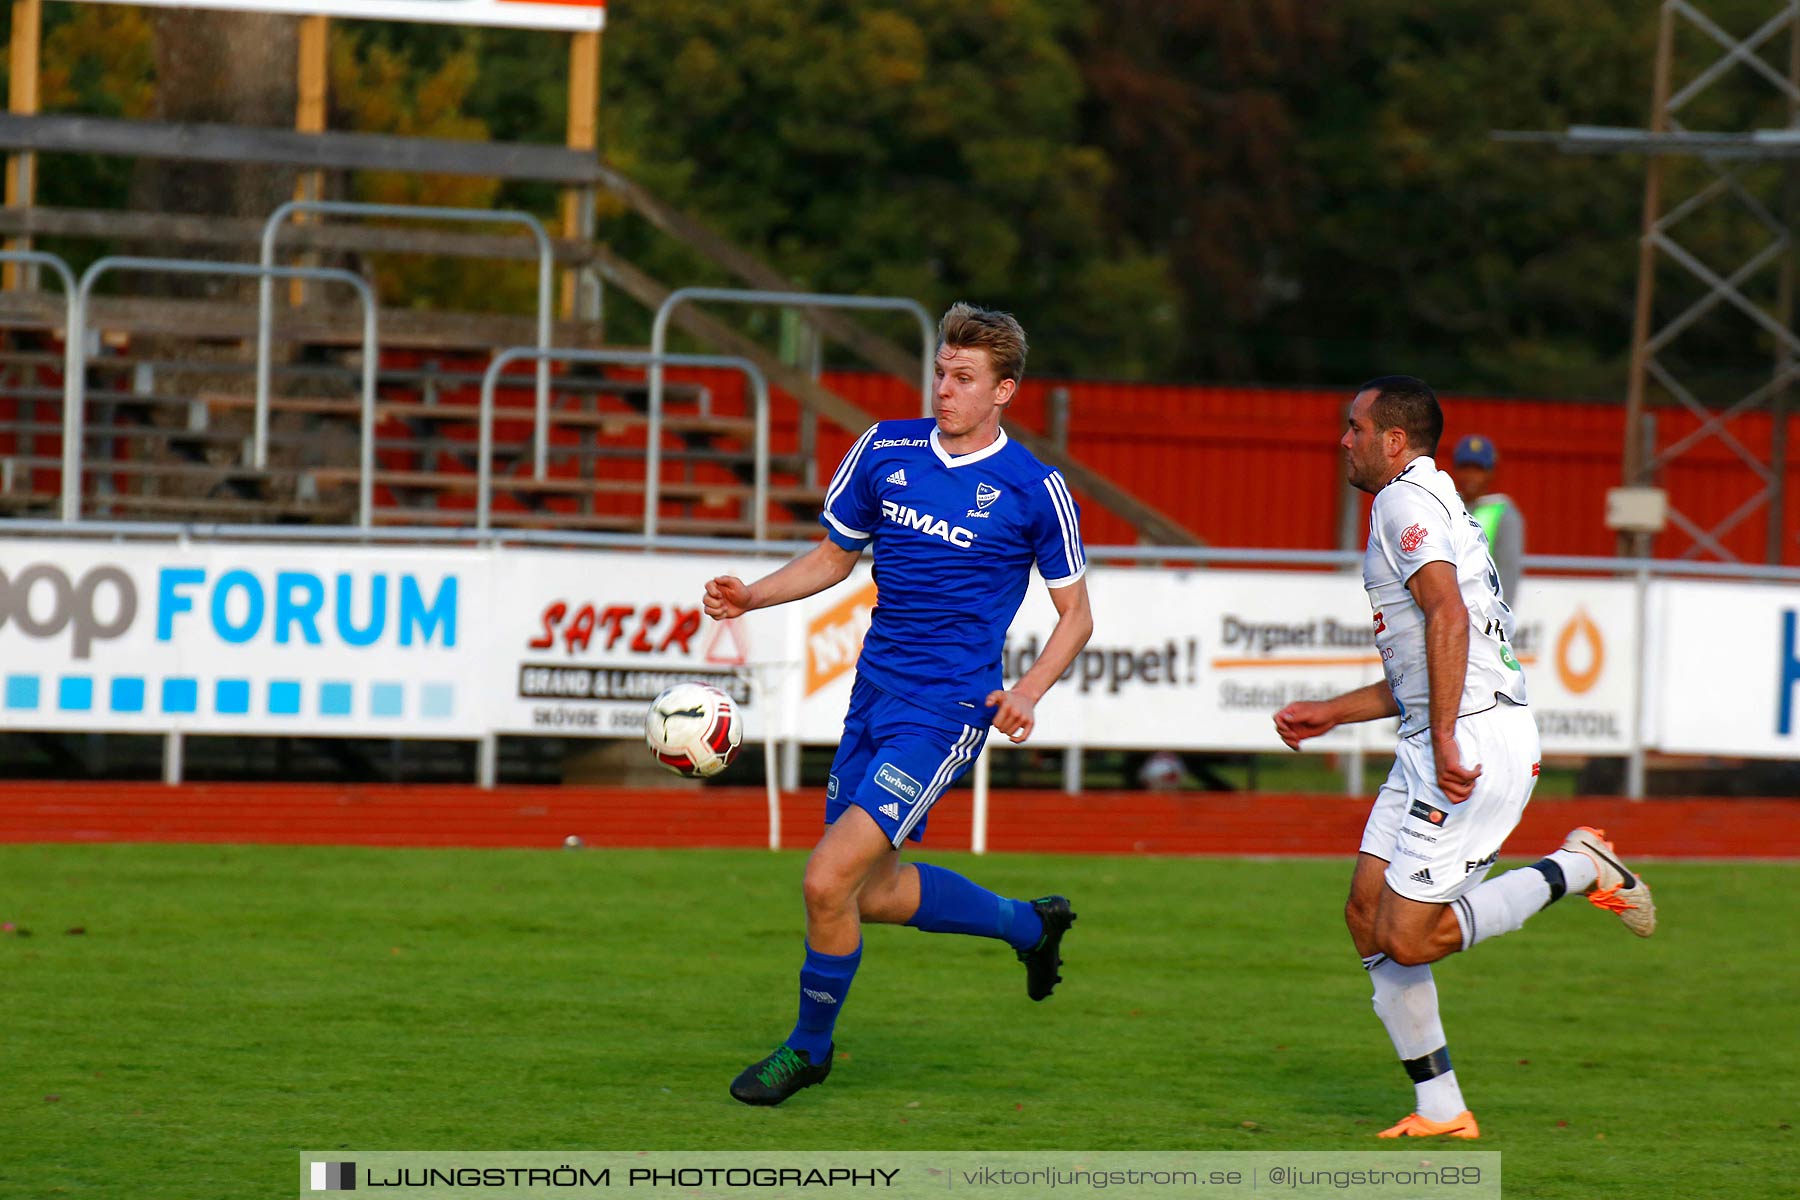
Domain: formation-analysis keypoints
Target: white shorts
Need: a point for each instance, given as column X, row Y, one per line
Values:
column 1436, row 850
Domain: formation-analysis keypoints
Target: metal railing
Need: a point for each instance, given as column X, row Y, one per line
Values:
column 543, row 354
column 75, row 383
column 759, row 385
column 416, row 212
column 659, row 337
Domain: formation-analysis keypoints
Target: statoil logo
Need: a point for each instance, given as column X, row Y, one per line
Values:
column 1580, row 653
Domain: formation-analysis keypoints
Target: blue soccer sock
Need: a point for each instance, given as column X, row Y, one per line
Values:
column 824, row 986
column 949, row 903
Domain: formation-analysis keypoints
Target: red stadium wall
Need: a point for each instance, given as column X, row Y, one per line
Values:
column 1240, row 466
column 1259, row 467
column 1044, row 822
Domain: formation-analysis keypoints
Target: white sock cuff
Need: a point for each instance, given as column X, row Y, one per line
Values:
column 1500, row 905
column 1440, row 1098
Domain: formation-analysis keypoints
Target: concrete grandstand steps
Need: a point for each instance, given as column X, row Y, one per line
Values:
column 420, row 410
column 535, row 502
column 163, row 440
column 731, row 527
column 101, row 430
column 310, row 405
column 167, row 428
column 462, row 448
column 32, row 503
column 124, row 506
column 211, row 472
column 452, row 481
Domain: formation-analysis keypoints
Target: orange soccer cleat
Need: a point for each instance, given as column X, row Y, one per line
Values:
column 1616, row 890
column 1462, row 1125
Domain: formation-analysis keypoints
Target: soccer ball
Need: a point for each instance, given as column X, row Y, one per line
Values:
column 694, row 730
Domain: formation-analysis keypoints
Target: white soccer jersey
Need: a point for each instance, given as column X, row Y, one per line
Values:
column 1417, row 519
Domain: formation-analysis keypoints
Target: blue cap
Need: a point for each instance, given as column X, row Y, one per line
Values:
column 1474, row 451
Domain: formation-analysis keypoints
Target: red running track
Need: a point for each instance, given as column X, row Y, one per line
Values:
column 1097, row 822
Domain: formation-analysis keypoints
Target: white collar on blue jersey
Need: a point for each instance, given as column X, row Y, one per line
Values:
column 962, row 460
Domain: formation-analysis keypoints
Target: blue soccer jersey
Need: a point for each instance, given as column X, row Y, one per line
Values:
column 955, row 538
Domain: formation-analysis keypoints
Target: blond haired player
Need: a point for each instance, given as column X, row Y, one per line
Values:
column 1467, row 757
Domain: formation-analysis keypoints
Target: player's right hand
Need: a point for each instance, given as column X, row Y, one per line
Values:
column 1301, row 720
column 1456, row 781
column 726, row 597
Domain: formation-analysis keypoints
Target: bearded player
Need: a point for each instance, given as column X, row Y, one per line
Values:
column 1467, row 757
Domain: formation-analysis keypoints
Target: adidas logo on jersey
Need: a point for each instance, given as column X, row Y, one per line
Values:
column 898, row 477
column 1422, row 875
column 891, row 811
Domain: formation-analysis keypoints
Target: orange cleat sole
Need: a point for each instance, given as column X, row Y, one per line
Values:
column 1462, row 1125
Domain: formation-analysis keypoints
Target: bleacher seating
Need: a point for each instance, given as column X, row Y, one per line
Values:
column 169, row 438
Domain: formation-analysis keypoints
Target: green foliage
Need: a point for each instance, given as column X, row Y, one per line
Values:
column 94, row 59
column 227, row 1006
column 1277, row 191
column 381, row 84
column 931, row 149
column 1481, row 264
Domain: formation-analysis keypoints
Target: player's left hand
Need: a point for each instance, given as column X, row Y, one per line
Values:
column 1016, row 714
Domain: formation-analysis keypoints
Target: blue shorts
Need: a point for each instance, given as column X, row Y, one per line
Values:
column 895, row 760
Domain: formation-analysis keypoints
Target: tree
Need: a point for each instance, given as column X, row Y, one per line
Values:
column 1200, row 107
column 1274, row 190
column 929, row 149
column 97, row 59
column 227, row 67
column 381, row 83
column 1428, row 246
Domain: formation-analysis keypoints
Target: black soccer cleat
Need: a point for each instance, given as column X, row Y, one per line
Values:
column 1042, row 960
column 779, row 1076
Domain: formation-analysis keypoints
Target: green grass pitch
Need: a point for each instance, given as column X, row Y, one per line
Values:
column 227, row 1006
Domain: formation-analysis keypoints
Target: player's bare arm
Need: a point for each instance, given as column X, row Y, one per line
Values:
column 1434, row 586
column 1015, row 710
column 821, row 567
column 1305, row 719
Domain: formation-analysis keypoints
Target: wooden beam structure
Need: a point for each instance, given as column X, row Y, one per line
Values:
column 168, row 231
column 319, row 324
column 583, row 138
column 310, row 114
column 203, row 142
column 23, row 97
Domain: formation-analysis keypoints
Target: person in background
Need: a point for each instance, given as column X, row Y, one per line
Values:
column 1472, row 467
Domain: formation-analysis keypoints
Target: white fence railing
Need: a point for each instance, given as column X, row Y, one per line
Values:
column 542, row 355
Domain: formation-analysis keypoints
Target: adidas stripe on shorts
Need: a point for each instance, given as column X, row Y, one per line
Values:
column 896, row 760
column 1436, row 850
